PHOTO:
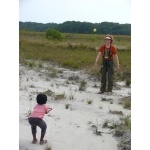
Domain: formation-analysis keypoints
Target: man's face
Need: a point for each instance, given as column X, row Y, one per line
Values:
column 107, row 41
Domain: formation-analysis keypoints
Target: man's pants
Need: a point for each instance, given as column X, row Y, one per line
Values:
column 107, row 72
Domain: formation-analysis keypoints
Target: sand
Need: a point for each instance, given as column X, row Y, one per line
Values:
column 69, row 128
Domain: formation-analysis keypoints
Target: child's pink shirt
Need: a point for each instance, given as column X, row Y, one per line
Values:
column 39, row 111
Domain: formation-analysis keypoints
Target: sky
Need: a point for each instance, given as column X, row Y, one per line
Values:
column 59, row 11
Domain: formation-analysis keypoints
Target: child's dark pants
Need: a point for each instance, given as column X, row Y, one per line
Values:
column 34, row 122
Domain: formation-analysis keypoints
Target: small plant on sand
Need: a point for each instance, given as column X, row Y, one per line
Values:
column 106, row 99
column 60, row 71
column 95, row 85
column 126, row 102
column 71, row 96
column 73, row 77
column 32, row 86
column 47, row 79
column 89, row 101
column 60, row 96
column 40, row 65
column 48, row 147
column 49, row 93
column 32, row 64
column 127, row 122
column 67, row 82
column 116, row 112
column 96, row 130
column 82, row 85
column 123, row 132
column 53, row 72
column 128, row 82
column 105, row 124
column 100, row 107
column 111, row 102
column 115, row 124
column 67, row 106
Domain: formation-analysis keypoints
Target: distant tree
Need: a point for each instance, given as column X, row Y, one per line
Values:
column 53, row 34
column 79, row 27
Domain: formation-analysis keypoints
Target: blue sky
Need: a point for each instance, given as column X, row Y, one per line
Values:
column 59, row 11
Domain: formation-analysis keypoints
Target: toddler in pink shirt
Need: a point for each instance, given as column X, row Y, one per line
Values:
column 36, row 117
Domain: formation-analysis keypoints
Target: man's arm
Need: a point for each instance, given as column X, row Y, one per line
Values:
column 117, row 61
column 97, row 58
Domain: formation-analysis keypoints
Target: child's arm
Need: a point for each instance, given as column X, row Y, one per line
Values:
column 48, row 109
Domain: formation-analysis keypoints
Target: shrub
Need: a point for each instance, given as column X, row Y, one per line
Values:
column 52, row 34
column 126, row 102
column 82, row 85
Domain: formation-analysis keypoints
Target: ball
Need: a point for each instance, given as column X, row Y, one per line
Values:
column 94, row 30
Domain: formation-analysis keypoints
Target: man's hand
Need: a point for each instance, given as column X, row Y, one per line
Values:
column 118, row 67
column 95, row 66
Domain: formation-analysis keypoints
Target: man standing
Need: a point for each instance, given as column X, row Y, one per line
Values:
column 108, row 52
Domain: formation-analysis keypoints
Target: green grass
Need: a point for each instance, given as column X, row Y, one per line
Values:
column 76, row 51
column 126, row 102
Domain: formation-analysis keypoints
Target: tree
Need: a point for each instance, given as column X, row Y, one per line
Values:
column 53, row 34
column 79, row 27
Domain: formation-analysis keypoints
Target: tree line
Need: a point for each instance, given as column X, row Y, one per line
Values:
column 79, row 27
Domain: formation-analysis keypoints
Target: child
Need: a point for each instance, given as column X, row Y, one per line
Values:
column 36, row 117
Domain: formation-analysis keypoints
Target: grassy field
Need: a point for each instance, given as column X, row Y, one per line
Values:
column 76, row 51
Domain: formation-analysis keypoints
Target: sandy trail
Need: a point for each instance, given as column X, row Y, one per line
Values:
column 68, row 129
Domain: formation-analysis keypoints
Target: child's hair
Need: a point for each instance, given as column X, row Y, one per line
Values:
column 41, row 99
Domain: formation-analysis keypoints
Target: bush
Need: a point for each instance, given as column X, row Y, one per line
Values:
column 53, row 34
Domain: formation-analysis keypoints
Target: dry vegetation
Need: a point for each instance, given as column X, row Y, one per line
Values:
column 76, row 51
